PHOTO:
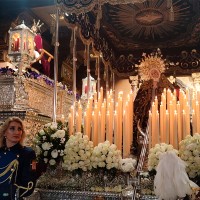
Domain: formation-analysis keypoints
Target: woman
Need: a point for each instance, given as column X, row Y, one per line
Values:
column 17, row 163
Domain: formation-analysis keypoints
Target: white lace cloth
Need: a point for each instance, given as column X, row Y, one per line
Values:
column 171, row 180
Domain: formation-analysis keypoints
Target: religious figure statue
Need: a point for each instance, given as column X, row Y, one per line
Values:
column 40, row 62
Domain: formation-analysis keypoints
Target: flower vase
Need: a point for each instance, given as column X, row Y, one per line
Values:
column 129, row 190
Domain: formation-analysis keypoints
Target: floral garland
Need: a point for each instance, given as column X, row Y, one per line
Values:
column 50, row 142
column 189, row 151
column 78, row 151
column 155, row 152
column 106, row 155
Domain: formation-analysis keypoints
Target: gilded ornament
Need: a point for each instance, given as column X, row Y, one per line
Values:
column 151, row 67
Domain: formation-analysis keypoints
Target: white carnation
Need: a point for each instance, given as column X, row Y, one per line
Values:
column 52, row 162
column 41, row 132
column 127, row 164
column 77, row 151
column 46, row 146
column 106, row 155
column 54, row 153
column 60, row 133
column 189, row 151
column 45, row 153
column 62, row 140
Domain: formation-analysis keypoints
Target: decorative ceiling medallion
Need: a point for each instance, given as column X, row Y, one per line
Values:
column 149, row 17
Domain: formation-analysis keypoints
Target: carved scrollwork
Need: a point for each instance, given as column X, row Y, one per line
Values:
column 190, row 60
column 124, row 64
column 33, row 123
column 21, row 96
column 6, row 99
column 7, row 91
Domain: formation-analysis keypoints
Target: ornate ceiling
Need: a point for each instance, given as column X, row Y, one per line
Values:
column 129, row 28
column 144, row 24
column 147, row 25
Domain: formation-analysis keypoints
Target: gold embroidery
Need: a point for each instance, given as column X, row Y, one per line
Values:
column 30, row 186
column 13, row 166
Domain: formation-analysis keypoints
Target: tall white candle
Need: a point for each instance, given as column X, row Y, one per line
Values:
column 100, row 138
column 85, row 123
column 120, row 115
column 161, row 123
column 175, row 144
column 150, row 129
column 77, row 122
column 167, row 127
column 70, row 124
column 111, row 125
column 80, row 118
column 95, row 126
column 115, row 128
column 154, row 133
column 125, row 138
column 184, row 123
column 103, row 121
column 157, row 127
column 168, row 98
column 179, row 118
column 171, row 127
column 108, row 136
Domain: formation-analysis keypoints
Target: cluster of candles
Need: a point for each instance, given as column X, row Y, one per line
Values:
column 103, row 119
column 169, row 122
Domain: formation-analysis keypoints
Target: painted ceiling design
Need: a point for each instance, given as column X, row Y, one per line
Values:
column 128, row 30
column 149, row 24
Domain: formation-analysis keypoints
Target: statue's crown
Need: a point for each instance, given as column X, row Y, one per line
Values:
column 36, row 26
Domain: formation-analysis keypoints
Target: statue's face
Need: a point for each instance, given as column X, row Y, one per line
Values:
column 34, row 29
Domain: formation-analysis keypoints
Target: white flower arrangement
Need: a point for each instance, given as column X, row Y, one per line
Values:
column 78, row 151
column 189, row 151
column 127, row 164
column 50, row 143
column 106, row 155
column 155, row 152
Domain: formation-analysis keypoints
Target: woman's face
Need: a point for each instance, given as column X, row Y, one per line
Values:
column 13, row 134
